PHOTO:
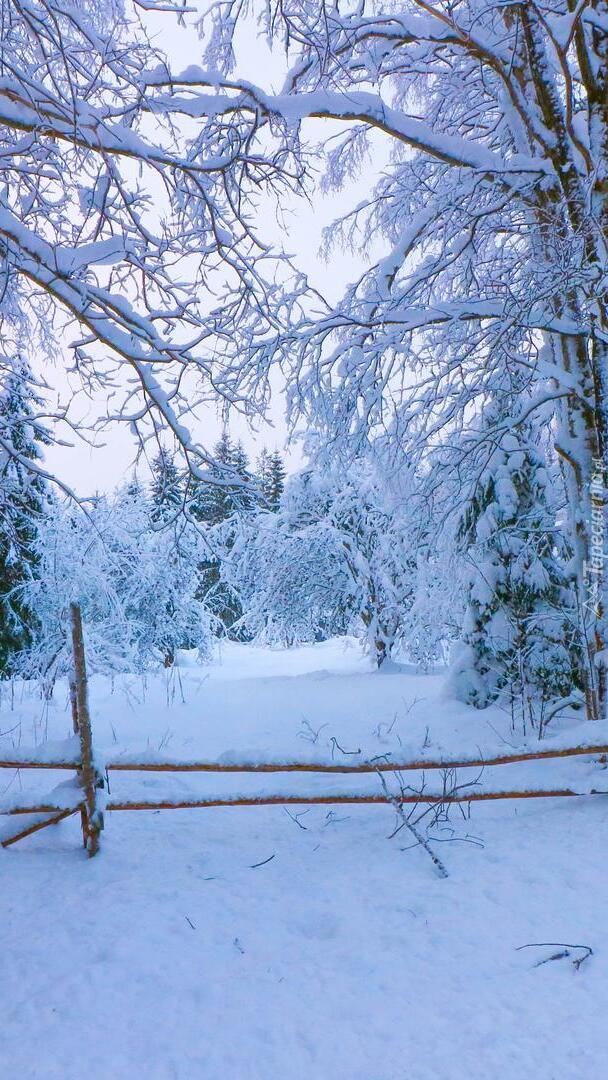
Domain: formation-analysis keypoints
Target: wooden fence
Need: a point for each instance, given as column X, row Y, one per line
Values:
column 87, row 800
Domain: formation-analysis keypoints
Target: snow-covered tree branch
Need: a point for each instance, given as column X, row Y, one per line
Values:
column 119, row 222
column 134, row 201
column 493, row 209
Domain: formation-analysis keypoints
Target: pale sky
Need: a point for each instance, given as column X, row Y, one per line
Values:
column 110, row 461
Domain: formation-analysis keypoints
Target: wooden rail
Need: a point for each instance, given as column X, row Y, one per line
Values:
column 41, row 823
column 288, row 799
column 324, row 800
column 31, row 763
column 383, row 764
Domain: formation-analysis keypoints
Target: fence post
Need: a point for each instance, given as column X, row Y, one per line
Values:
column 91, row 816
column 76, row 727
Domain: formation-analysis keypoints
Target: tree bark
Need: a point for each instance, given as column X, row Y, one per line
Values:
column 91, row 780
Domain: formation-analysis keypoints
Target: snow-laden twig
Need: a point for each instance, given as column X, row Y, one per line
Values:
column 419, row 838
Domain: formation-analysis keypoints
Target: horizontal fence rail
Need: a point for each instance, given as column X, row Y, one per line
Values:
column 382, row 764
column 55, row 805
column 287, row 799
column 41, row 823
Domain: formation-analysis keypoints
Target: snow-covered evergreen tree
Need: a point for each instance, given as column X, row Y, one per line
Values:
column 263, row 476
column 277, row 476
column 271, row 478
column 519, row 635
column 219, row 503
column 166, row 494
column 230, row 488
column 243, row 497
column 133, row 491
column 25, row 501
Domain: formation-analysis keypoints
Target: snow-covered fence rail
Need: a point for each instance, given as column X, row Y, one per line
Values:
column 287, row 799
column 86, row 796
column 69, row 759
column 70, row 799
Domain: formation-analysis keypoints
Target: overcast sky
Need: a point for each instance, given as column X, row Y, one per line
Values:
column 110, row 460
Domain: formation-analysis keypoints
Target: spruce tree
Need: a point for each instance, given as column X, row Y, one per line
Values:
column 133, row 491
column 518, row 642
column 263, row 478
column 276, row 476
column 209, row 501
column 243, row 498
column 165, row 489
column 25, row 500
column 215, row 504
column 270, row 479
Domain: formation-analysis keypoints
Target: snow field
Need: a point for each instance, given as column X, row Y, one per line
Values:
column 340, row 956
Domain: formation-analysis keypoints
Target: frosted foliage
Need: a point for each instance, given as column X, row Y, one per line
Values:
column 480, row 242
column 338, row 555
column 519, row 639
column 120, row 221
column 481, row 245
column 293, row 586
column 137, row 588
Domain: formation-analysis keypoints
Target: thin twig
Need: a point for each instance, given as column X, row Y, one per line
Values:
column 263, row 863
column 296, row 817
column 577, row 961
column 438, row 864
column 335, row 745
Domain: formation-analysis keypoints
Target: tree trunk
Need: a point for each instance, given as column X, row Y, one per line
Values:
column 582, row 448
column 92, row 818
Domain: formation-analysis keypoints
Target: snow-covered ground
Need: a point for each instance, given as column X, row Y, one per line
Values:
column 233, row 943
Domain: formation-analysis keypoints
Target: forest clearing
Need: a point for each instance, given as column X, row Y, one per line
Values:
column 254, row 942
column 303, row 604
